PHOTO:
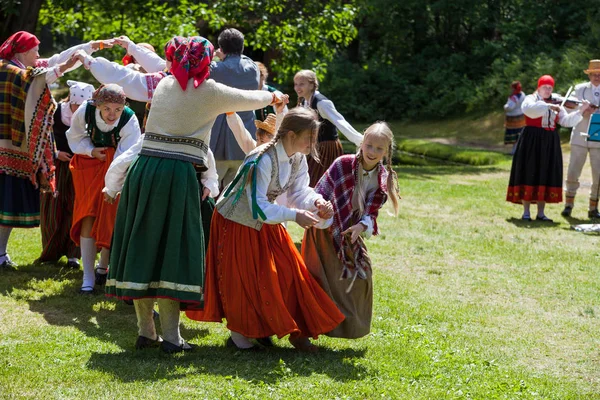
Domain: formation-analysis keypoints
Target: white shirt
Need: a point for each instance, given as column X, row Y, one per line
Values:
column 328, row 111
column 370, row 183
column 534, row 107
column 51, row 63
column 115, row 176
column 242, row 136
column 299, row 194
column 81, row 143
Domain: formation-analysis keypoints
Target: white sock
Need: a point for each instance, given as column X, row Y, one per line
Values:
column 88, row 257
column 4, row 235
column 73, row 259
column 145, row 317
column 104, row 258
column 240, row 340
column 169, row 320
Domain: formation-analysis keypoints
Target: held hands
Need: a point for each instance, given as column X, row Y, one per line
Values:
column 305, row 219
column 279, row 98
column 354, row 231
column 279, row 107
column 219, row 54
column 324, row 208
column 98, row 153
column 122, row 41
column 70, row 63
column 64, row 156
column 102, row 44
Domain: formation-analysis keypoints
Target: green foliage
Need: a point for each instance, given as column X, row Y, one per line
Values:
column 456, row 154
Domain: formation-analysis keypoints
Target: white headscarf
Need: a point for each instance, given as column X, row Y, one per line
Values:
column 79, row 93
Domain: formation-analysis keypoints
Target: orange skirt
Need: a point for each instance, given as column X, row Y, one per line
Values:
column 258, row 281
column 328, row 150
column 88, row 181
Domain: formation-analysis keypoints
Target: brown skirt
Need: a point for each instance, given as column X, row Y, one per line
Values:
column 328, row 150
column 324, row 265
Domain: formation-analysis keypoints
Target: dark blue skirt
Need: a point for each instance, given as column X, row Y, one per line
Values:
column 19, row 202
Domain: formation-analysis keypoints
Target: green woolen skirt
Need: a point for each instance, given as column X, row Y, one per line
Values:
column 158, row 245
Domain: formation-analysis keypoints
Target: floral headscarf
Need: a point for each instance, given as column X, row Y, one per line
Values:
column 190, row 58
column 19, row 42
column 111, row 93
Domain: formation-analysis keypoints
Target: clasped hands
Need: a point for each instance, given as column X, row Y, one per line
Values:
column 307, row 219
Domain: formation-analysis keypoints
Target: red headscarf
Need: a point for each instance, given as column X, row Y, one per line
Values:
column 127, row 59
column 190, row 58
column 545, row 80
column 19, row 42
column 516, row 87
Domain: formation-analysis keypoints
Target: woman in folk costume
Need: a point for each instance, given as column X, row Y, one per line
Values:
column 159, row 204
column 26, row 148
column 101, row 130
column 514, row 120
column 329, row 146
column 57, row 211
column 261, row 284
column 357, row 186
column 537, row 167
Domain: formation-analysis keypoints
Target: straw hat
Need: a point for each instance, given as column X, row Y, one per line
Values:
column 594, row 67
column 268, row 125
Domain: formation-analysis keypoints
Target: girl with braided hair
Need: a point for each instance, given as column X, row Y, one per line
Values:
column 357, row 186
column 261, row 284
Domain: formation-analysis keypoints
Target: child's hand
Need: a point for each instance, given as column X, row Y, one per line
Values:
column 108, row 199
column 324, row 209
column 305, row 219
column 354, row 231
column 98, row 153
column 205, row 193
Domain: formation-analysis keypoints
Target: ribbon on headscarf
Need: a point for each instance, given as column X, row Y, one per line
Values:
column 190, row 59
column 19, row 42
column 243, row 176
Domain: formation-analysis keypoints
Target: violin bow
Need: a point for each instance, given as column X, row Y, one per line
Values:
column 566, row 96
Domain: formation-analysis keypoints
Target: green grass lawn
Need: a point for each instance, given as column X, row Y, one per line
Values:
column 470, row 302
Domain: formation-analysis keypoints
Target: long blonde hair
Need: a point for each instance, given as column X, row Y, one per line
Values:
column 311, row 77
column 382, row 129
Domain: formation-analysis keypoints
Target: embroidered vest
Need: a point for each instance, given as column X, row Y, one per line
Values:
column 105, row 139
column 238, row 208
column 59, row 130
column 327, row 130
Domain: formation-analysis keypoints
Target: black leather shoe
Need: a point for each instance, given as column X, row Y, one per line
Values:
column 8, row 264
column 528, row 219
column 73, row 264
column 567, row 212
column 88, row 290
column 171, row 348
column 594, row 214
column 143, row 342
column 543, row 218
column 265, row 341
column 100, row 278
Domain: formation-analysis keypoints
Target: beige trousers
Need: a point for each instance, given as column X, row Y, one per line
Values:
column 578, row 157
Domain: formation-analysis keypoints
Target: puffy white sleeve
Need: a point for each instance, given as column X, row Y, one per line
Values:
column 510, row 104
column 569, row 120
column 299, row 194
column 328, row 111
column 130, row 134
column 274, row 212
column 242, row 136
column 116, row 173
column 210, row 178
column 134, row 83
column 368, row 221
column 65, row 55
column 79, row 141
column 534, row 108
column 148, row 59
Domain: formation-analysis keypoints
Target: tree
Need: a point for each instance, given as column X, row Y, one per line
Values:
column 18, row 15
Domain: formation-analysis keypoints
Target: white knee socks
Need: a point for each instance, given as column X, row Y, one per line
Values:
column 169, row 320
column 104, row 258
column 240, row 340
column 145, row 317
column 88, row 257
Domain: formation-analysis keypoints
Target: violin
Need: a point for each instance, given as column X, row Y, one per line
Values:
column 570, row 102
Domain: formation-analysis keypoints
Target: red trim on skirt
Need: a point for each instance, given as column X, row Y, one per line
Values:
column 516, row 194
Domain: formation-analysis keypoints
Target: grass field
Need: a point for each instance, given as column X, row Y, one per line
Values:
column 470, row 302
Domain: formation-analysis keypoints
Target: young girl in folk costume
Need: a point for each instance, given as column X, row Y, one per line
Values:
column 26, row 148
column 537, row 167
column 514, row 120
column 329, row 146
column 57, row 211
column 261, row 284
column 357, row 186
column 101, row 130
column 158, row 246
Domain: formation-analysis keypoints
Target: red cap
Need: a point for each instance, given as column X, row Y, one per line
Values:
column 19, row 42
column 546, row 80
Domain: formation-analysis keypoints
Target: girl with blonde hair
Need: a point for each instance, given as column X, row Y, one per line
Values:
column 357, row 186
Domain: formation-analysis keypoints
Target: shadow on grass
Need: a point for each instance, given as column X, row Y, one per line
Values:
column 518, row 222
column 432, row 172
column 53, row 292
column 264, row 367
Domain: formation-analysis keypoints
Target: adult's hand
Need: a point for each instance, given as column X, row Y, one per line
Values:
column 64, row 156
column 122, row 41
column 205, row 193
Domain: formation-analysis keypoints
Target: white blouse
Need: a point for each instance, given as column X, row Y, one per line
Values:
column 149, row 60
column 52, row 63
column 328, row 111
column 81, row 143
column 370, row 183
column 535, row 107
column 299, row 194
column 242, row 136
column 115, row 176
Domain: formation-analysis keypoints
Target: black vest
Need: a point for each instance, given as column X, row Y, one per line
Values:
column 327, row 130
column 59, row 130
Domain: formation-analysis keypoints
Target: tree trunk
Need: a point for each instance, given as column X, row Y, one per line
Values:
column 23, row 17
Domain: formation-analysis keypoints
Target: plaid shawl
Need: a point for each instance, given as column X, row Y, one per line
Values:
column 337, row 185
column 26, row 118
